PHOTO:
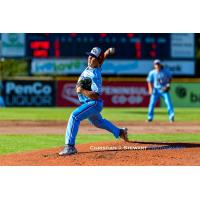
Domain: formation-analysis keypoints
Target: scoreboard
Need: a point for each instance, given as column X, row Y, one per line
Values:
column 64, row 53
column 141, row 46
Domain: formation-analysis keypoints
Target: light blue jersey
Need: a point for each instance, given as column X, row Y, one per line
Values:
column 95, row 75
column 159, row 79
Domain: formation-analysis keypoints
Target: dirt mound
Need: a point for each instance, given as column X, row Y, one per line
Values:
column 58, row 127
column 111, row 154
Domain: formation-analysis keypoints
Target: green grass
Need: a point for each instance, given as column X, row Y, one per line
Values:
column 23, row 143
column 114, row 114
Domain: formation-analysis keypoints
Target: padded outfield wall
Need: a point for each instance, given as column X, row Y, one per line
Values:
column 117, row 92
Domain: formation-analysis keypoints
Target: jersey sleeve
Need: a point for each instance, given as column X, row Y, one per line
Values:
column 150, row 77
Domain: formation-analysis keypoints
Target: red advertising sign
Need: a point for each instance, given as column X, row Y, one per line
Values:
column 66, row 94
column 114, row 94
column 125, row 94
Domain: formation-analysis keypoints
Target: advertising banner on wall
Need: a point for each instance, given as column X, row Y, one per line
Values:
column 114, row 94
column 180, row 67
column 13, row 44
column 110, row 67
column 143, row 67
column 58, row 66
column 185, row 95
column 66, row 94
column 125, row 94
column 29, row 93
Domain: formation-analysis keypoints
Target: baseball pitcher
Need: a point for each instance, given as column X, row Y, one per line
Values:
column 159, row 85
column 89, row 88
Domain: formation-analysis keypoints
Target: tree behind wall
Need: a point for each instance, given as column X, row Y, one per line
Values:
column 11, row 68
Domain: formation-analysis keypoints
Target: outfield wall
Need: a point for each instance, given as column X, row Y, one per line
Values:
column 114, row 93
column 185, row 95
column 117, row 92
column 29, row 93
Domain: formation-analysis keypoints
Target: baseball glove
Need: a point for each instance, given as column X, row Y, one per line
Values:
column 166, row 88
column 85, row 83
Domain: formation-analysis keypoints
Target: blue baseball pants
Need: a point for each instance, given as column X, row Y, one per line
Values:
column 153, row 100
column 91, row 111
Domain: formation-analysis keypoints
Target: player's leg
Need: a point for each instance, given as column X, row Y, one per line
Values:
column 79, row 114
column 169, row 105
column 153, row 100
column 2, row 102
column 99, row 122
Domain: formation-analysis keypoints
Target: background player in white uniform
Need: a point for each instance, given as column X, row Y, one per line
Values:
column 91, row 101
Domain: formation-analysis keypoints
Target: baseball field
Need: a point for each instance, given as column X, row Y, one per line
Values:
column 34, row 136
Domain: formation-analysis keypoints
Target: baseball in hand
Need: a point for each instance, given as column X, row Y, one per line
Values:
column 112, row 50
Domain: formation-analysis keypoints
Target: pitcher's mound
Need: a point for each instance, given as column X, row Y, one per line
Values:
column 111, row 154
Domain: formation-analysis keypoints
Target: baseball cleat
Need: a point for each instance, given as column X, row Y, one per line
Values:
column 149, row 120
column 171, row 120
column 124, row 134
column 68, row 150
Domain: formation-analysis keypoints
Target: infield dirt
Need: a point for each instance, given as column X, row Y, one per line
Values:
column 58, row 127
column 111, row 154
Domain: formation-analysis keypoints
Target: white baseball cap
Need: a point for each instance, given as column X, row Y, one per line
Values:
column 157, row 62
column 96, row 52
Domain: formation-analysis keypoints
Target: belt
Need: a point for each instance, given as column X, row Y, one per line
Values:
column 90, row 100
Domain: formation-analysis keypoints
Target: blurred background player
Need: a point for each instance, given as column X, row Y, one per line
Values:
column 159, row 80
column 2, row 104
column 91, row 102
